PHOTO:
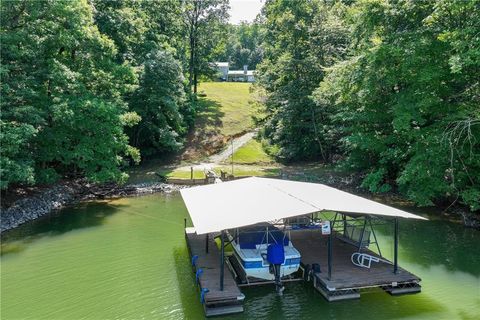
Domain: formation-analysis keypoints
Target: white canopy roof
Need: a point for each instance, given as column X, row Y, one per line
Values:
column 253, row 200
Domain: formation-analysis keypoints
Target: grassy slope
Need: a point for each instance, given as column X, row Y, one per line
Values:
column 238, row 170
column 249, row 160
column 223, row 111
column 251, row 153
column 231, row 100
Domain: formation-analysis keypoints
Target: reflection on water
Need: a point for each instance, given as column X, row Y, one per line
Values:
column 85, row 215
column 436, row 242
column 128, row 259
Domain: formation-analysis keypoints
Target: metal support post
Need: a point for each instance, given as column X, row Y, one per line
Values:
column 330, row 247
column 206, row 243
column 395, row 248
column 362, row 235
column 222, row 258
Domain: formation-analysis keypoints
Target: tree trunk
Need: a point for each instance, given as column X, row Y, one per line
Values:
column 322, row 153
column 195, row 81
column 191, row 62
column 193, row 48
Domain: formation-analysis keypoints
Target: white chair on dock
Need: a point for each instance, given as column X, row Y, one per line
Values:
column 365, row 260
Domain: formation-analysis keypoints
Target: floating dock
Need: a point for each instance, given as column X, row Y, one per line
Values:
column 206, row 266
column 332, row 230
column 346, row 280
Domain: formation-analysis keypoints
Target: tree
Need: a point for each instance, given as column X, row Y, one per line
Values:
column 138, row 27
column 301, row 39
column 205, row 24
column 16, row 161
column 61, row 94
column 159, row 101
column 126, row 23
column 407, row 99
column 142, row 31
column 243, row 46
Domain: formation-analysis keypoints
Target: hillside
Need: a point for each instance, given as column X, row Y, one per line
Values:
column 223, row 112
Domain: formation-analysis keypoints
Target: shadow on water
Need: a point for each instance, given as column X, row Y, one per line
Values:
column 84, row 215
column 428, row 243
column 188, row 291
column 301, row 301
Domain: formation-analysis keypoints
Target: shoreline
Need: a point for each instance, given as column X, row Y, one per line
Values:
column 68, row 193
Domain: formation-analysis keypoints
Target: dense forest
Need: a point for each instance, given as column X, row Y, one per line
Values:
column 90, row 86
column 390, row 89
column 243, row 46
column 387, row 89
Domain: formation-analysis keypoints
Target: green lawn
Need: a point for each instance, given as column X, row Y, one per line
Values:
column 226, row 107
column 250, row 170
column 182, row 173
column 238, row 170
column 251, row 153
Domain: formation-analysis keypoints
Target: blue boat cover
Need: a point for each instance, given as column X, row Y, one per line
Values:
column 249, row 239
column 275, row 253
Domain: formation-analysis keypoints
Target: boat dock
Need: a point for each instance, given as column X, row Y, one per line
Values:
column 206, row 266
column 346, row 280
column 332, row 232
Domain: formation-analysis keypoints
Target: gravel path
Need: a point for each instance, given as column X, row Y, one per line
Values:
column 216, row 159
column 237, row 143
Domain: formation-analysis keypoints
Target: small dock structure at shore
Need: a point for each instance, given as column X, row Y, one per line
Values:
column 338, row 246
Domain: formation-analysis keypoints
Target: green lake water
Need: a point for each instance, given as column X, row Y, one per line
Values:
column 127, row 259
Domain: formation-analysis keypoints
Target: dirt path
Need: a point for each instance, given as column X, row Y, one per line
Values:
column 216, row 159
column 237, row 143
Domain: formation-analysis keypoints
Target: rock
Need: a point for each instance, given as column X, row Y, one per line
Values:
column 62, row 195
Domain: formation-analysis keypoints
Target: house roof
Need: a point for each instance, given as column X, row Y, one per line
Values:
column 248, row 201
column 221, row 64
column 240, row 72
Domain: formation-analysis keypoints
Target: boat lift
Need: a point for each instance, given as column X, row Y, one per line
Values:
column 217, row 208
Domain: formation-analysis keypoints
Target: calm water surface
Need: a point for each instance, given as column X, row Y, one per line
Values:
column 127, row 259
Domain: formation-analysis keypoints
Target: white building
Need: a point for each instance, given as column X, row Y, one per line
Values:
column 222, row 68
column 241, row 76
column 225, row 74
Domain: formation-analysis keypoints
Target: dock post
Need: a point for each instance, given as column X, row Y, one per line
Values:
column 222, row 258
column 206, row 243
column 395, row 248
column 330, row 246
column 363, row 233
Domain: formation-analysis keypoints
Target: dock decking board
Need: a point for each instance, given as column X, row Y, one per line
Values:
column 345, row 275
column 216, row 301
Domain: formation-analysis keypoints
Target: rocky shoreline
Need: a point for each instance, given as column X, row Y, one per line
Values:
column 68, row 193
